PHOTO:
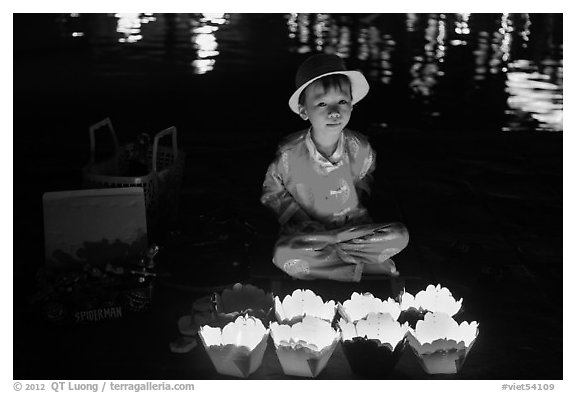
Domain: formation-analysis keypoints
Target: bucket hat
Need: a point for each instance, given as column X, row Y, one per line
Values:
column 323, row 64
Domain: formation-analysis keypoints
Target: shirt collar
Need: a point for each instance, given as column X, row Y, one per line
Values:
column 334, row 160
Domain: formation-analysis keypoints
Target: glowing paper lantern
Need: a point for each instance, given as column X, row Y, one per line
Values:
column 437, row 299
column 411, row 312
column 433, row 299
column 440, row 344
column 305, row 347
column 380, row 327
column 303, row 303
column 373, row 345
column 243, row 300
column 408, row 302
column 238, row 348
column 360, row 305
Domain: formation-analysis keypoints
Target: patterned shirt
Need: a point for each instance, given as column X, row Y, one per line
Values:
column 325, row 189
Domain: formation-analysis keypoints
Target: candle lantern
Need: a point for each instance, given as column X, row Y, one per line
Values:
column 373, row 345
column 305, row 347
column 360, row 305
column 243, row 300
column 440, row 344
column 236, row 349
column 217, row 310
column 303, row 303
column 433, row 299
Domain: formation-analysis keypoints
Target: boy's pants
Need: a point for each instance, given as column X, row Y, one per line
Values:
column 339, row 254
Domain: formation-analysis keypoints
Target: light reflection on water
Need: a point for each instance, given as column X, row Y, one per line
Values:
column 491, row 50
column 203, row 38
column 129, row 26
column 426, row 67
column 536, row 94
column 428, row 54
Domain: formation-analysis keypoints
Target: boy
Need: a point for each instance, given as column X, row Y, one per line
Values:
column 318, row 178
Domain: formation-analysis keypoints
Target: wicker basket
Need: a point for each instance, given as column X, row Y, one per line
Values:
column 161, row 184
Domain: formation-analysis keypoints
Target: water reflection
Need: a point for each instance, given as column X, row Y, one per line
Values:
column 440, row 38
column 462, row 24
column 524, row 30
column 497, row 46
column 505, row 31
column 376, row 50
column 214, row 19
column 76, row 31
column 292, row 25
column 411, row 20
column 482, row 56
column 435, row 65
column 129, row 25
column 203, row 38
column 534, row 93
column 320, row 28
column 302, row 31
column 425, row 69
column 339, row 34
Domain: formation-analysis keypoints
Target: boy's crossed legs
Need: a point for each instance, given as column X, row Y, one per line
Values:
column 342, row 254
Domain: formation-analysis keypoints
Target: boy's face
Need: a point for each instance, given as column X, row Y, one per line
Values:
column 328, row 111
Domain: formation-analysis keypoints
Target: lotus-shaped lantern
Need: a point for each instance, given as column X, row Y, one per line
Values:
column 305, row 347
column 243, row 299
column 440, row 344
column 433, row 299
column 303, row 303
column 373, row 345
column 236, row 349
column 360, row 305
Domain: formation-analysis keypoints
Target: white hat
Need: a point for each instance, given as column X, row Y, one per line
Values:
column 319, row 65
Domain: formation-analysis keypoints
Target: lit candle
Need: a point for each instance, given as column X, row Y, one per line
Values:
column 360, row 305
column 305, row 347
column 441, row 344
column 238, row 348
column 433, row 299
column 243, row 300
column 303, row 303
column 373, row 345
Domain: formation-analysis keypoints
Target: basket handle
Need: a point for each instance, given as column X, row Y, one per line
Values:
column 101, row 124
column 167, row 131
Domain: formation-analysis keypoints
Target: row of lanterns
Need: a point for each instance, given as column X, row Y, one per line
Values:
column 305, row 331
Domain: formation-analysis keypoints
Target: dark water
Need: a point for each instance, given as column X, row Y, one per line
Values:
column 462, row 72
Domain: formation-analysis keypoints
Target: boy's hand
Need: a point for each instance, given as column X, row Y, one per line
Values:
column 302, row 223
column 311, row 226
